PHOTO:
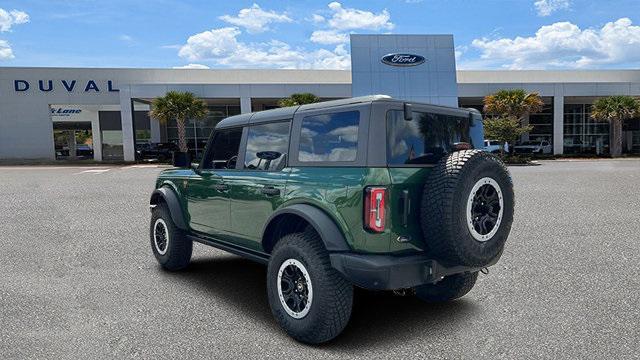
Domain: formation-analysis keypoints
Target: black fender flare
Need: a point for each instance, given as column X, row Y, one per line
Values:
column 173, row 203
column 332, row 237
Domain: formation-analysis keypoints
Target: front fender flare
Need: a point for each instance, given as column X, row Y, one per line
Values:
column 329, row 232
column 173, row 203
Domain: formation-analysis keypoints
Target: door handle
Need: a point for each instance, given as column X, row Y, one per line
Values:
column 221, row 187
column 269, row 190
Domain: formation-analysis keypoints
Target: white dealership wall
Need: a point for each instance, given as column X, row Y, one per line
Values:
column 570, row 86
column 26, row 129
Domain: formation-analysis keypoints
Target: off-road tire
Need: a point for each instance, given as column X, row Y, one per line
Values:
column 178, row 248
column 450, row 288
column 444, row 208
column 332, row 301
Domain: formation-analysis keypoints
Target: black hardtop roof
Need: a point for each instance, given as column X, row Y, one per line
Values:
column 288, row 112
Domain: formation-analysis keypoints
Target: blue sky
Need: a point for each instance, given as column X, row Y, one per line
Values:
column 489, row 34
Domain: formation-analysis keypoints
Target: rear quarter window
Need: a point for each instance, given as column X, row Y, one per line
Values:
column 329, row 137
column 424, row 140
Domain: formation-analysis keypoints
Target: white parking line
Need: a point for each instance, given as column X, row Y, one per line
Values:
column 92, row 171
column 146, row 166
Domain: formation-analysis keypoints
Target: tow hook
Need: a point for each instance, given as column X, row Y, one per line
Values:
column 485, row 271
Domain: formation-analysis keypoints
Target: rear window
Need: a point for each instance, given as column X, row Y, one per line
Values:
column 329, row 137
column 425, row 139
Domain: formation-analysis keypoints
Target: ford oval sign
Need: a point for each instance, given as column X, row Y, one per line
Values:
column 403, row 59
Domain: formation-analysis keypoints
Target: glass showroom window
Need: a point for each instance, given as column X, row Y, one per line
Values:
column 542, row 123
column 635, row 140
column 198, row 131
column 582, row 134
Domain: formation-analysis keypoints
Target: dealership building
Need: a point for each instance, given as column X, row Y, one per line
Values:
column 46, row 113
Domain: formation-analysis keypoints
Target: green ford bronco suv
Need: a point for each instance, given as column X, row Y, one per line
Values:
column 370, row 192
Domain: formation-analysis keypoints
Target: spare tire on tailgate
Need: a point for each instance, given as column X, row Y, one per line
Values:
column 467, row 208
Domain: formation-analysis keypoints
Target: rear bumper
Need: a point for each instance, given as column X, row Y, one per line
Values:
column 388, row 272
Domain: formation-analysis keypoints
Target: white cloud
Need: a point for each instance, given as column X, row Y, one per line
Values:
column 210, row 44
column 329, row 37
column 255, row 19
column 192, row 66
column 317, row 18
column 222, row 47
column 459, row 51
column 125, row 38
column 339, row 58
column 350, row 19
column 10, row 18
column 565, row 45
column 547, row 7
column 7, row 20
column 344, row 19
column 5, row 51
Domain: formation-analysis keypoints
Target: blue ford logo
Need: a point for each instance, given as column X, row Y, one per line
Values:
column 403, row 59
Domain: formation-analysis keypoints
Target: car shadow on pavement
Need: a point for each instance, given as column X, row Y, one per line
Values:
column 379, row 319
column 234, row 280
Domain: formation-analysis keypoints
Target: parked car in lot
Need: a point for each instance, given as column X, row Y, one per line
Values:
column 493, row 146
column 83, row 151
column 533, row 147
column 369, row 192
column 155, row 151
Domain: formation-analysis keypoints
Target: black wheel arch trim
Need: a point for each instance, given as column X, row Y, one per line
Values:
column 173, row 203
column 331, row 235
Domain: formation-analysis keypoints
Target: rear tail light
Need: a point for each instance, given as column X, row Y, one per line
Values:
column 374, row 208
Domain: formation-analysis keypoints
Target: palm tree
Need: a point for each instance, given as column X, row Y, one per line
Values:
column 178, row 106
column 515, row 103
column 298, row 99
column 615, row 110
column 506, row 109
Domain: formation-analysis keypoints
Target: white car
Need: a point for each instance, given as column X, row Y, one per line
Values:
column 493, row 146
column 534, row 147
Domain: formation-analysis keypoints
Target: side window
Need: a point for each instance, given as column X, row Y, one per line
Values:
column 223, row 150
column 329, row 137
column 267, row 146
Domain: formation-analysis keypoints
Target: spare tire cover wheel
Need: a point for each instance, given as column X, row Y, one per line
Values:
column 467, row 208
column 485, row 207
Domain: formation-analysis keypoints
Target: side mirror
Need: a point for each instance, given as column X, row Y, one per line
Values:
column 181, row 159
column 195, row 167
column 408, row 112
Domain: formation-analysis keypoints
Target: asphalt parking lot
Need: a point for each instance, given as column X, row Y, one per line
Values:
column 78, row 280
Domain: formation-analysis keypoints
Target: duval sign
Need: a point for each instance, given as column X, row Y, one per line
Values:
column 65, row 85
column 398, row 59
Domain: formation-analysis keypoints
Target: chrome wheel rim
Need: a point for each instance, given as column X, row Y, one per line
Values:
column 485, row 207
column 160, row 236
column 294, row 288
